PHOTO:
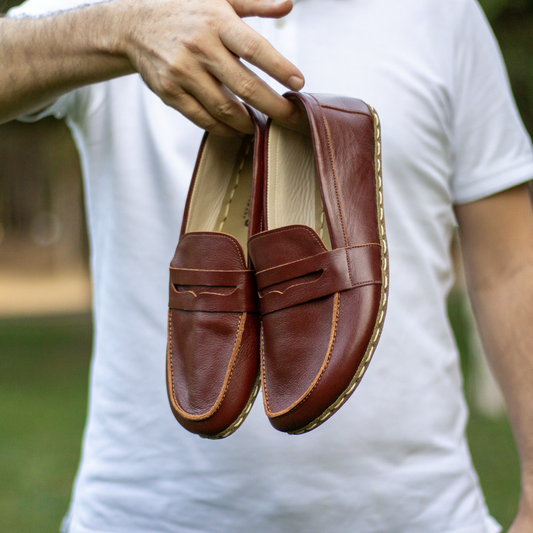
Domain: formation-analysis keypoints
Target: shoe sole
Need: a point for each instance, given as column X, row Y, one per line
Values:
column 241, row 418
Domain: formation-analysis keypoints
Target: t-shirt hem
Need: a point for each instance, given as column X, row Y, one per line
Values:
column 490, row 526
column 57, row 109
column 499, row 181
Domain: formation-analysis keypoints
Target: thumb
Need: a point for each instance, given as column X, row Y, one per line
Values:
column 261, row 8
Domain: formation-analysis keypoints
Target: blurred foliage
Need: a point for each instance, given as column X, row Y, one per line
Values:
column 512, row 21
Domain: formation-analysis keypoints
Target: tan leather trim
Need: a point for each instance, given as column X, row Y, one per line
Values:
column 227, row 379
column 307, row 393
column 241, row 418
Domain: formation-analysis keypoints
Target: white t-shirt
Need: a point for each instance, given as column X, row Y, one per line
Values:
column 394, row 459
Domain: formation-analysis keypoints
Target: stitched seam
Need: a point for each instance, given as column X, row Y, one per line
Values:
column 298, row 260
column 348, row 265
column 335, row 108
column 170, row 358
column 238, row 339
column 333, row 338
column 361, row 283
column 330, row 150
column 237, row 177
column 276, row 178
column 263, row 371
column 219, row 400
column 244, row 413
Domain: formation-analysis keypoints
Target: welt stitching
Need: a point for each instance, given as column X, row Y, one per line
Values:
column 263, row 368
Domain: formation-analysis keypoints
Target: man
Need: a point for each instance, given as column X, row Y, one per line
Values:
column 394, row 458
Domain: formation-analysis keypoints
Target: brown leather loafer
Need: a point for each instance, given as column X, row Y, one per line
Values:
column 321, row 265
column 213, row 320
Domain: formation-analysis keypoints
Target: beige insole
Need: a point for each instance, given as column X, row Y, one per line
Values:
column 293, row 191
column 221, row 195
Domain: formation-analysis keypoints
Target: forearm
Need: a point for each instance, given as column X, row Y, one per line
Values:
column 497, row 241
column 45, row 57
column 187, row 51
column 504, row 312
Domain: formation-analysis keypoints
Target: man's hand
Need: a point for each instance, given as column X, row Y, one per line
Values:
column 187, row 51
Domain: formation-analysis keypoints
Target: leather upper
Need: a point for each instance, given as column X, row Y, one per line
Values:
column 214, row 323
column 322, row 309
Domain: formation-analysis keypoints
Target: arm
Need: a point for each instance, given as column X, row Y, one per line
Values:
column 187, row 52
column 497, row 241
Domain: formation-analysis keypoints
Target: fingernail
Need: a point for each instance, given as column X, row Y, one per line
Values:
column 296, row 83
column 296, row 116
column 279, row 2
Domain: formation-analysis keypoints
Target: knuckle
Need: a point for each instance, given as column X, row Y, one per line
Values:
column 194, row 43
column 169, row 89
column 250, row 47
column 225, row 110
column 249, row 88
column 206, row 123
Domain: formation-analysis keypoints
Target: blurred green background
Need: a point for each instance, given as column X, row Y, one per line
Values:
column 44, row 358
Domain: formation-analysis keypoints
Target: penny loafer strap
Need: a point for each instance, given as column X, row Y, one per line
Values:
column 215, row 294
column 339, row 270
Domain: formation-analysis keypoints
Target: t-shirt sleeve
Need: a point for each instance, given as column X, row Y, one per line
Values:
column 63, row 106
column 492, row 150
column 40, row 8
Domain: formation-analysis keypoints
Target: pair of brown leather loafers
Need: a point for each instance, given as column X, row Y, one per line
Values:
column 280, row 276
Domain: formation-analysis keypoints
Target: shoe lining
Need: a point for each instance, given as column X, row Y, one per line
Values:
column 293, row 191
column 221, row 197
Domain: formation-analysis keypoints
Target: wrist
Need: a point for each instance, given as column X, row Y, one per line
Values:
column 106, row 28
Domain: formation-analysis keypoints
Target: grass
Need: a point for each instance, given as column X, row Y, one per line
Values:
column 43, row 390
column 43, row 395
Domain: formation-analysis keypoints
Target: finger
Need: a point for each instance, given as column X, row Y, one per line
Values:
column 218, row 100
column 241, row 81
column 189, row 107
column 261, row 8
column 247, row 44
